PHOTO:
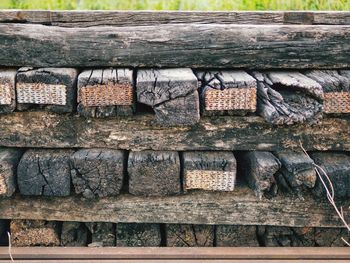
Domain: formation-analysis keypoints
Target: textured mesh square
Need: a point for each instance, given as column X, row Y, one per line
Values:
column 337, row 102
column 210, row 180
column 5, row 94
column 39, row 93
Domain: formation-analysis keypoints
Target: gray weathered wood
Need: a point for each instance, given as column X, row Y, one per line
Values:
column 259, row 169
column 222, row 164
column 331, row 237
column 73, row 234
column 138, row 235
column 189, row 235
column 97, row 172
column 330, row 80
column 240, row 207
column 26, row 233
column 48, row 130
column 236, row 236
column 102, row 234
column 45, row 172
column 221, row 80
column 7, row 90
column 9, row 159
column 185, row 45
column 297, row 172
column 288, row 97
column 66, row 78
column 337, row 168
column 97, row 77
column 154, row 173
column 128, row 18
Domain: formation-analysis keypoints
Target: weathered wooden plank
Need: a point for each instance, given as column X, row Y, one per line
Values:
column 45, row 172
column 9, row 159
column 154, row 173
column 97, row 172
column 236, row 236
column 7, row 90
column 34, row 233
column 47, row 130
column 189, row 235
column 240, row 207
column 138, row 235
column 105, row 93
column 52, row 89
column 128, row 18
column 190, row 45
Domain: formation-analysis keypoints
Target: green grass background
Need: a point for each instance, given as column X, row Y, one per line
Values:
column 179, row 4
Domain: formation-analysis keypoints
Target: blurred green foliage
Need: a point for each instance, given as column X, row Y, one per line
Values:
column 179, row 4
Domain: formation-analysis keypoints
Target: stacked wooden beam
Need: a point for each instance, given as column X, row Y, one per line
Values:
column 182, row 130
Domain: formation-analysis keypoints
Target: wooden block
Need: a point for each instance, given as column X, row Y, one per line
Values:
column 179, row 111
column 337, row 167
column 336, row 89
column 236, row 236
column 45, row 172
column 138, row 235
column 154, row 173
column 51, row 89
column 26, row 233
column 102, row 234
column 272, row 236
column 74, row 234
column 9, row 159
column 331, row 237
column 172, row 94
column 297, row 171
column 7, row 90
column 214, row 171
column 106, row 93
column 288, row 97
column 189, row 235
column 227, row 92
column 259, row 169
column 97, row 172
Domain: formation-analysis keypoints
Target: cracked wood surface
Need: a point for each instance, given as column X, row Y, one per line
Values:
column 168, row 45
column 240, row 207
column 129, row 18
column 49, row 130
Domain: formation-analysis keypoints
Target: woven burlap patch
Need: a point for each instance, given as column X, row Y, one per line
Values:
column 231, row 99
column 337, row 102
column 210, row 180
column 106, row 95
column 39, row 93
column 5, row 94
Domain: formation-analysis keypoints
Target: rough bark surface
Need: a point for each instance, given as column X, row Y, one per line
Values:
column 288, row 97
column 236, row 236
column 103, row 234
column 9, row 159
column 259, row 169
column 97, row 172
column 330, row 80
column 48, row 130
column 74, row 234
column 45, row 172
column 50, row 76
column 337, row 168
column 138, row 235
column 190, row 235
column 98, row 77
column 190, row 45
column 154, row 173
column 7, row 90
column 34, row 233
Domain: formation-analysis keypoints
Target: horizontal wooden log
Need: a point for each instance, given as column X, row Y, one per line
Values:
column 191, row 45
column 239, row 207
column 48, row 130
column 130, row 18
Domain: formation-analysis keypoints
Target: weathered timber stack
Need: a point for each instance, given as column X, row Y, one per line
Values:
column 187, row 129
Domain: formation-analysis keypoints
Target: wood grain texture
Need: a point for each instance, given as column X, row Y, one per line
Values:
column 138, row 235
column 48, row 130
column 189, row 235
column 9, row 159
column 190, row 45
column 129, row 18
column 236, row 236
column 238, row 207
